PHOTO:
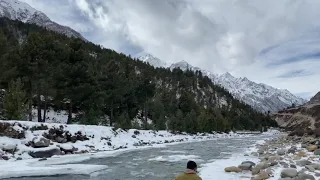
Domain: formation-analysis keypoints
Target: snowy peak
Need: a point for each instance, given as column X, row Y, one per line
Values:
column 16, row 10
column 153, row 61
column 260, row 96
column 183, row 65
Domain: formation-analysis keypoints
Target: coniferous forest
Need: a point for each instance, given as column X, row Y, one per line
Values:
column 43, row 69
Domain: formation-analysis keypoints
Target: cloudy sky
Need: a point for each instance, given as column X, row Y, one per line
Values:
column 273, row 42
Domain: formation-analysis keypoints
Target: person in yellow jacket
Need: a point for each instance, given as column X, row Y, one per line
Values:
column 190, row 173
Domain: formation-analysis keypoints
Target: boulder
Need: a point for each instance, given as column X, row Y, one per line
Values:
column 232, row 169
column 249, row 162
column 261, row 176
column 262, row 165
column 315, row 166
column 60, row 139
column 67, row 148
column 289, row 173
column 273, row 158
column 312, row 148
column 301, row 154
column 281, row 152
column 45, row 152
column 6, row 158
column 304, row 176
column 304, row 145
column 245, row 166
column 303, row 162
column 39, row 142
column 317, row 152
column 310, row 168
column 255, row 170
column 292, row 150
column 13, row 133
column 8, row 146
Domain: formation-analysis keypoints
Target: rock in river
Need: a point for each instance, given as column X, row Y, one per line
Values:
column 289, row 172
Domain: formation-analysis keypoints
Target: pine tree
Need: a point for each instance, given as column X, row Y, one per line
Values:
column 191, row 122
column 15, row 101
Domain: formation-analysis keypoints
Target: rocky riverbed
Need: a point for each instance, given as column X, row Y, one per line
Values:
column 283, row 158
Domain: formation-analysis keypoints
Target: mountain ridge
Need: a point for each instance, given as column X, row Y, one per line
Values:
column 261, row 97
column 21, row 11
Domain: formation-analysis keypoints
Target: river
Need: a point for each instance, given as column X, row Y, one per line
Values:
column 161, row 163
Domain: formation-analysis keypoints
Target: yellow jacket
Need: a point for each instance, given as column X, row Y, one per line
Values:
column 188, row 175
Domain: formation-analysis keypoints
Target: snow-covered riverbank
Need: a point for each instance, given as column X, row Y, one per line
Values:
column 30, row 145
column 284, row 157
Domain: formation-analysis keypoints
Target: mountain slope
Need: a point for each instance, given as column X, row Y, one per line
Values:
column 16, row 10
column 101, row 86
column 306, row 117
column 153, row 61
column 261, row 97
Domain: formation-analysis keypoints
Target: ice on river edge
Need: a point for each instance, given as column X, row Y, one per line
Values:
column 215, row 169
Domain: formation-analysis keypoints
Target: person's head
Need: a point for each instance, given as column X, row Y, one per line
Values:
column 192, row 165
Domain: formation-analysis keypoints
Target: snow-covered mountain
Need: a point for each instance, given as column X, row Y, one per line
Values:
column 16, row 10
column 153, row 61
column 260, row 96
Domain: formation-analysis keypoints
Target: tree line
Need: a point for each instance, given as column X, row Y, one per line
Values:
column 44, row 69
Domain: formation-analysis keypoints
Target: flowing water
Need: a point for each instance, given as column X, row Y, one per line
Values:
column 160, row 163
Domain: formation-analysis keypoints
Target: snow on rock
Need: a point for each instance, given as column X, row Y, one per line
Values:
column 43, row 140
column 6, row 144
column 100, row 141
column 153, row 61
column 38, row 142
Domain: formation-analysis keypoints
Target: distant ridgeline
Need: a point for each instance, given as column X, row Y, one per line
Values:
column 44, row 69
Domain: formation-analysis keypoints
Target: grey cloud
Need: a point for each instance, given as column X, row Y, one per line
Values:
column 295, row 73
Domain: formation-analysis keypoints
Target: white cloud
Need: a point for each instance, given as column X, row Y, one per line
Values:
column 217, row 35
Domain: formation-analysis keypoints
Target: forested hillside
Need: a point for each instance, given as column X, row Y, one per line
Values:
column 44, row 69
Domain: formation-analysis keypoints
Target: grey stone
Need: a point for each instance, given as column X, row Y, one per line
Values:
column 303, row 162
column 315, row 166
column 255, row 170
column 60, row 139
column 310, row 168
column 284, row 164
column 40, row 142
column 273, row 163
column 293, row 166
column 281, row 152
column 289, row 172
column 292, row 150
column 262, row 165
column 46, row 153
column 317, row 152
column 245, row 166
column 304, row 176
column 250, row 162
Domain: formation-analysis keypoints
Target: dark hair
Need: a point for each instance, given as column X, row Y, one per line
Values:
column 191, row 165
